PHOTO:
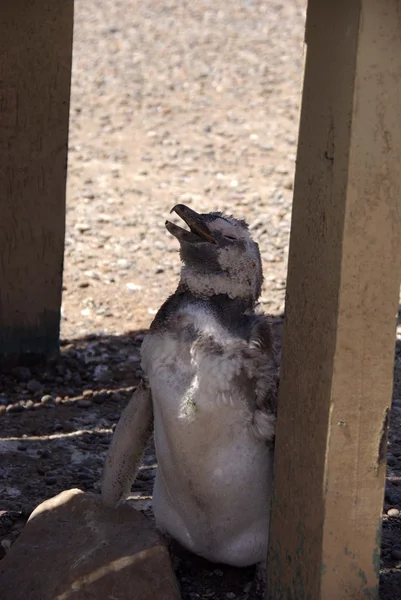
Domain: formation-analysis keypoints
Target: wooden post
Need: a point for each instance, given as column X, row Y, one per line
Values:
column 342, row 298
column 35, row 71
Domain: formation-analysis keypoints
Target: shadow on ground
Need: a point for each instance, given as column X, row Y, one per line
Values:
column 56, row 423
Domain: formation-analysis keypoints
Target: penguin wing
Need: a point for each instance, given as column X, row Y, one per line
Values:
column 127, row 446
column 260, row 378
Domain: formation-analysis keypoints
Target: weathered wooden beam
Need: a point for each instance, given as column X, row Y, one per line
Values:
column 35, row 72
column 342, row 298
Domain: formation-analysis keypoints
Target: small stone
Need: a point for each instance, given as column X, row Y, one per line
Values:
column 76, row 379
column 393, row 512
column 123, row 263
column 146, row 474
column 134, row 287
column 84, row 403
column 29, row 404
column 37, row 405
column 92, row 275
column 396, row 553
column 159, row 269
column 87, row 393
column 100, row 398
column 82, row 227
column 230, row 595
column 44, row 453
column 395, row 497
column 34, row 386
column 101, row 373
column 6, row 544
column 218, row 572
column 51, row 480
column 4, row 401
column 116, row 397
column 2, row 410
column 391, row 461
column 47, row 399
column 14, row 408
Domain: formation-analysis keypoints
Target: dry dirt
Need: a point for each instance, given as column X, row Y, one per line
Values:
column 171, row 102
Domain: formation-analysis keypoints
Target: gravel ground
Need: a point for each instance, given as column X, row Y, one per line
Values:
column 171, row 102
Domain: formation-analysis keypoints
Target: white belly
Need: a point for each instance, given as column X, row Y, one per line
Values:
column 213, row 484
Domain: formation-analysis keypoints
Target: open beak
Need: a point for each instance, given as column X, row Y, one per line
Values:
column 199, row 231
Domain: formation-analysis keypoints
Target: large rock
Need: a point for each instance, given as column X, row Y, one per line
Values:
column 72, row 548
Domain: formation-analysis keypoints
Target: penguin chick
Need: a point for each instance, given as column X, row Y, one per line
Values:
column 212, row 391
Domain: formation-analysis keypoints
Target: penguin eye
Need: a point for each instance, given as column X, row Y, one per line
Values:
column 230, row 237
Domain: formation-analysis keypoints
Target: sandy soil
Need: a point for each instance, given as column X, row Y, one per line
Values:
column 171, row 102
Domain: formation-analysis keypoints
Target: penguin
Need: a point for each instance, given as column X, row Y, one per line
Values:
column 210, row 395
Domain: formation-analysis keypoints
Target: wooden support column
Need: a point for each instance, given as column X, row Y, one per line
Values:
column 35, row 72
column 342, row 298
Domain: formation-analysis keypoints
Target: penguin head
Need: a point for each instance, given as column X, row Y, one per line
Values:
column 218, row 255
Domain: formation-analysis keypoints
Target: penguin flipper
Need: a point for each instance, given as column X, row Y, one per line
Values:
column 127, row 446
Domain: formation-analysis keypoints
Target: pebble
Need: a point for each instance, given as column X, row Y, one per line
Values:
column 82, row 227
column 101, row 397
column 396, row 553
column 5, row 544
column 134, row 287
column 101, row 373
column 15, row 408
column 84, row 403
column 46, row 399
column 123, row 263
column 87, row 393
column 393, row 512
column 391, row 461
column 34, row 386
column 44, row 453
column 29, row 404
column 231, row 595
column 4, row 401
column 77, row 379
column 2, row 410
column 146, row 474
column 50, row 480
column 394, row 497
